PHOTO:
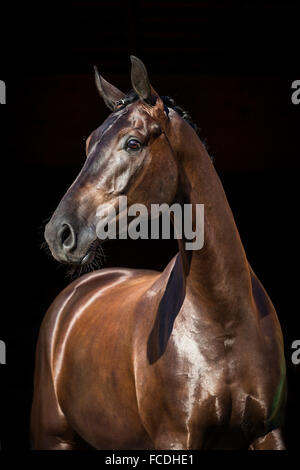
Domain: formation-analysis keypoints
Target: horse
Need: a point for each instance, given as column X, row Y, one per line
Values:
column 188, row 358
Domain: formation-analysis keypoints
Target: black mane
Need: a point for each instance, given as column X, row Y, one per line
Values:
column 170, row 103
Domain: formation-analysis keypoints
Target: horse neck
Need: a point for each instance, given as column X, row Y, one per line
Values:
column 218, row 274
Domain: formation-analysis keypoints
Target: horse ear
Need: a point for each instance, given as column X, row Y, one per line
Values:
column 140, row 80
column 108, row 92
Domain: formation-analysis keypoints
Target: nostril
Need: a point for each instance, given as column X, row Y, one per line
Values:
column 65, row 233
column 67, row 237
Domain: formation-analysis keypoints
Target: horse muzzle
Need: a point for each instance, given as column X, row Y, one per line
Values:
column 69, row 243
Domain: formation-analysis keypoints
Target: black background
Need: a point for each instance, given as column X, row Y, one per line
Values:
column 231, row 64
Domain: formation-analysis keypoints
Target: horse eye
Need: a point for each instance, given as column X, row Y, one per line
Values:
column 133, row 144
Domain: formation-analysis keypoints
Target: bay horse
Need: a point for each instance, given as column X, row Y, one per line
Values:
column 188, row 358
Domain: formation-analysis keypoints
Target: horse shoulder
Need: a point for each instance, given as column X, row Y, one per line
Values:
column 74, row 300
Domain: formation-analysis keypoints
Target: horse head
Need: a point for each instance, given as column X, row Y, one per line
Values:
column 128, row 155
